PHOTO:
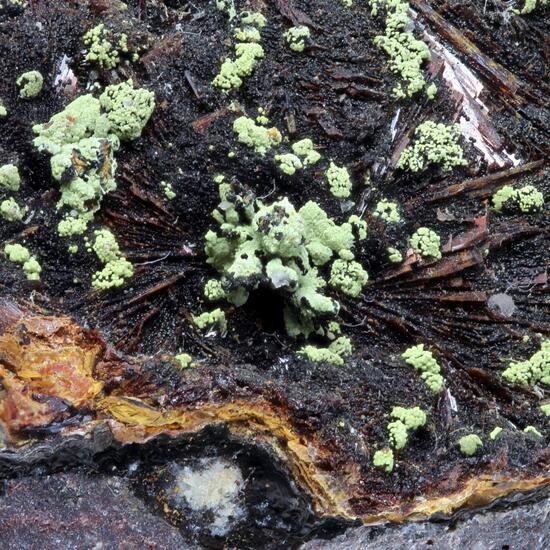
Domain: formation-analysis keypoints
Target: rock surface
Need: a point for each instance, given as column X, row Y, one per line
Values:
column 525, row 527
column 72, row 511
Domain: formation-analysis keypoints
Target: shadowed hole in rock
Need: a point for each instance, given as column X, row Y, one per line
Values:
column 220, row 493
column 266, row 307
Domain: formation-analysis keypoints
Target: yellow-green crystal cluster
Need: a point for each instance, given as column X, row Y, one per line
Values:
column 103, row 47
column 228, row 6
column 406, row 420
column 387, row 210
column 298, row 37
column 11, row 211
column 30, row 84
column 334, row 353
column 526, row 199
column 127, row 109
column 10, row 180
column 434, row 143
column 213, row 291
column 184, row 360
column 469, row 444
column 280, row 247
column 348, row 276
column 426, row 242
column 247, row 53
column 531, row 5
column 210, row 319
column 532, row 430
column 18, row 254
column 424, row 362
column 288, row 163
column 116, row 267
column 303, row 154
column 14, row 3
column 394, row 255
column 431, row 90
column 339, row 181
column 305, row 149
column 397, row 432
column 383, row 459
column 256, row 136
column 82, row 140
column 533, row 370
column 168, row 190
column 406, row 53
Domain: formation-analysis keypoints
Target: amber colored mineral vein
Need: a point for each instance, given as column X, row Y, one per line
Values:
column 54, row 358
column 253, row 420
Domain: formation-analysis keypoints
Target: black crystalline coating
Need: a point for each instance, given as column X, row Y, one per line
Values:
column 337, row 93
